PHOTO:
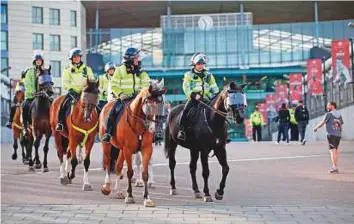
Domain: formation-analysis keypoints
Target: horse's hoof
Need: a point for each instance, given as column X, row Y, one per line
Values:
column 129, row 200
column 133, row 180
column 149, row 203
column 31, row 169
column 151, row 185
column 70, row 181
column 87, row 187
column 218, row 196
column 208, row 199
column 173, row 192
column 45, row 169
column 14, row 156
column 25, row 161
column 197, row 195
column 38, row 166
column 119, row 195
column 139, row 184
column 64, row 180
column 105, row 191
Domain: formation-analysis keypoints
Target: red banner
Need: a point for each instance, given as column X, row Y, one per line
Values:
column 271, row 107
column 263, row 109
column 281, row 95
column 341, row 61
column 248, row 129
column 314, row 76
column 295, row 83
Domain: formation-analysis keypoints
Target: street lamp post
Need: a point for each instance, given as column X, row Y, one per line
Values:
column 324, row 83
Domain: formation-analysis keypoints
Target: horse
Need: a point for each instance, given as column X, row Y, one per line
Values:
column 134, row 132
column 81, row 128
column 39, row 119
column 207, row 131
column 17, row 129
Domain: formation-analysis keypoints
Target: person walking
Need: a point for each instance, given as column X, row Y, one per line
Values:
column 334, row 127
column 294, row 130
column 283, row 126
column 256, row 124
column 302, row 118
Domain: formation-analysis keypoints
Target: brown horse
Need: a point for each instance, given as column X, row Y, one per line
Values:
column 81, row 128
column 134, row 132
column 39, row 113
column 17, row 129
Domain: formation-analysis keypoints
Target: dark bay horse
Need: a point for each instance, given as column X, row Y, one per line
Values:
column 39, row 112
column 17, row 129
column 81, row 127
column 134, row 132
column 207, row 131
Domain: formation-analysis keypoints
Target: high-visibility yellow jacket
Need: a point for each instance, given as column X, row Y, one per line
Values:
column 75, row 78
column 256, row 118
column 192, row 82
column 103, row 87
column 292, row 116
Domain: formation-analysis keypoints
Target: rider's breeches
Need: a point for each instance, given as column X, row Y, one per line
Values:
column 66, row 102
column 100, row 105
column 190, row 103
column 110, row 120
column 26, row 106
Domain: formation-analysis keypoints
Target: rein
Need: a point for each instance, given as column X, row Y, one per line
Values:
column 223, row 114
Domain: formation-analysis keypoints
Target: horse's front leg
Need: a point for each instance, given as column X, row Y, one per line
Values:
column 29, row 145
column 128, row 158
column 137, row 170
column 220, row 154
column 23, row 147
column 72, row 158
column 36, row 144
column 146, row 154
column 15, row 146
column 106, row 187
column 205, row 173
column 193, row 169
column 88, row 147
column 45, row 151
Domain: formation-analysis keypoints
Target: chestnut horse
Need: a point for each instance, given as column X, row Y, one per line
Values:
column 17, row 128
column 39, row 113
column 207, row 131
column 81, row 127
column 134, row 132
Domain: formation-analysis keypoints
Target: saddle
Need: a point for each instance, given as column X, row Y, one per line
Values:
column 119, row 111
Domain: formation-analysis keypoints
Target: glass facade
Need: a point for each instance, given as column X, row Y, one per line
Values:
column 56, row 68
column 3, row 14
column 54, row 42
column 237, row 46
column 5, row 64
column 4, row 41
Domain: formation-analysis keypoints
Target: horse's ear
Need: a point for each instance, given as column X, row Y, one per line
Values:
column 98, row 83
column 150, row 89
column 163, row 91
column 233, row 85
column 243, row 85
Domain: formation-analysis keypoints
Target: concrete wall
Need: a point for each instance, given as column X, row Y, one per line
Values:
column 348, row 127
column 21, row 29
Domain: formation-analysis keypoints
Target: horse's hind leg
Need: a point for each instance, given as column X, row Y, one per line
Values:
column 45, row 152
column 73, row 159
column 36, row 144
column 15, row 146
column 146, row 154
column 222, row 158
column 24, row 156
column 137, row 170
column 88, row 147
column 193, row 169
column 29, row 146
column 205, row 173
column 128, row 158
column 119, row 168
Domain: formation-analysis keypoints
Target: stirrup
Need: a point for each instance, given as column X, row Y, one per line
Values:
column 59, row 127
column 106, row 138
column 181, row 135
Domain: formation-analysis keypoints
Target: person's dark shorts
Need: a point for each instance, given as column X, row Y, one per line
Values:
column 333, row 141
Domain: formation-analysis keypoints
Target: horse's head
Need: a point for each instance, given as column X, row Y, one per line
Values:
column 235, row 101
column 89, row 97
column 20, row 93
column 153, row 102
column 45, row 83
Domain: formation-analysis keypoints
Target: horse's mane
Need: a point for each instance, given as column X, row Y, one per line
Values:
column 218, row 98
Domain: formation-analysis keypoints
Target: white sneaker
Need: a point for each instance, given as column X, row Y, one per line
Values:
column 303, row 142
column 277, row 143
column 288, row 143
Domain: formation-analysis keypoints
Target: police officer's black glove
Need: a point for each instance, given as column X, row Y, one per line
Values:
column 195, row 96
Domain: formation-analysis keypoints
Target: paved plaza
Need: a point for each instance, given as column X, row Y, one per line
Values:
column 267, row 183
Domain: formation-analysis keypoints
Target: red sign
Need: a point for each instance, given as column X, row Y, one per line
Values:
column 295, row 83
column 341, row 61
column 263, row 109
column 270, row 98
column 281, row 95
column 314, row 76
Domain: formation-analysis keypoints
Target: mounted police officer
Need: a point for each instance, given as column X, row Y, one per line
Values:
column 109, row 69
column 73, row 80
column 20, row 87
column 30, row 84
column 198, row 84
column 127, row 80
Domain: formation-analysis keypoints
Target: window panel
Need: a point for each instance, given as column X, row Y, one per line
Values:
column 4, row 41
column 37, row 15
column 54, row 16
column 3, row 13
column 56, row 68
column 54, row 44
column 37, row 41
column 73, row 18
